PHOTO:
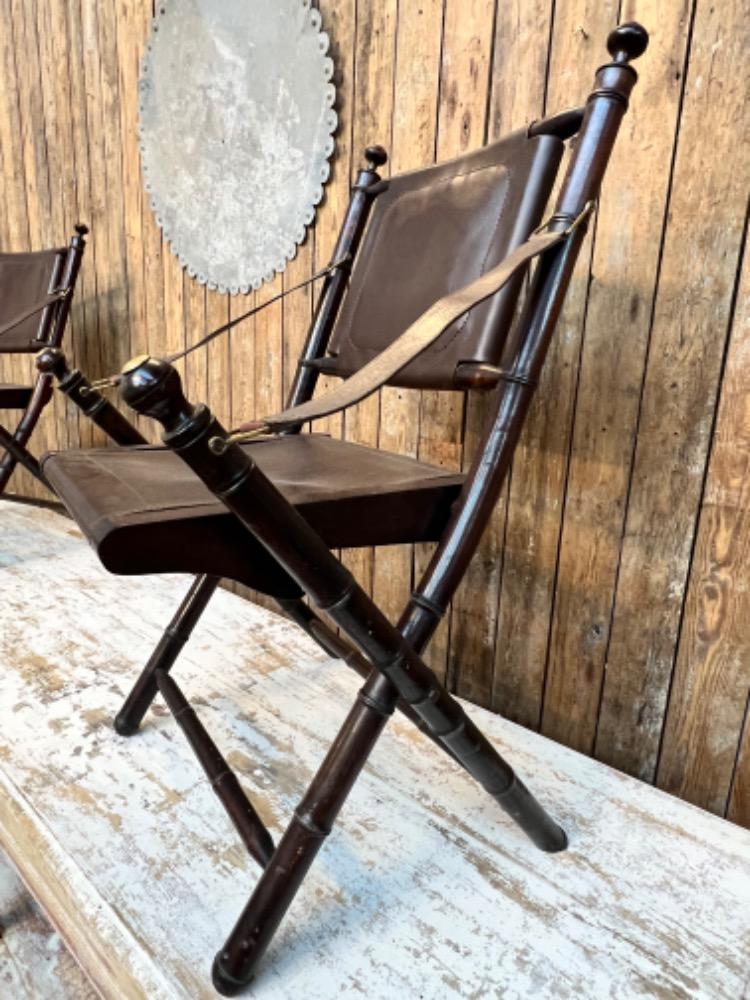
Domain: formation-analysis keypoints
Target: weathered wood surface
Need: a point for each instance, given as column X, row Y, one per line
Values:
column 614, row 329
column 694, row 310
column 34, row 962
column 714, row 655
column 424, row 888
column 575, row 617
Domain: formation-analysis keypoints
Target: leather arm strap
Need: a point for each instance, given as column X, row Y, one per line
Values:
column 423, row 332
column 33, row 310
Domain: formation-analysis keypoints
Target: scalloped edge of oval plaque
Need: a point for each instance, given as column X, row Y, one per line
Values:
column 306, row 217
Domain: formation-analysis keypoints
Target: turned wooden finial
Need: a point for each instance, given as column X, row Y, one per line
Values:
column 51, row 361
column 375, row 157
column 627, row 41
column 154, row 388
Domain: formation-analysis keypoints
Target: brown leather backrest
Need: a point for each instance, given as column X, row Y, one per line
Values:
column 430, row 232
column 25, row 279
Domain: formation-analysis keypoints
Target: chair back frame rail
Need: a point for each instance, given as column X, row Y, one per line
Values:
column 388, row 656
column 54, row 318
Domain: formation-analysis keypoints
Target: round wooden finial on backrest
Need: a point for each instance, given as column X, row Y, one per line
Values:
column 627, row 41
column 376, row 156
column 51, row 361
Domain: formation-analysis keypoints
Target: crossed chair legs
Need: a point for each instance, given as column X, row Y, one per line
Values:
column 396, row 676
column 13, row 450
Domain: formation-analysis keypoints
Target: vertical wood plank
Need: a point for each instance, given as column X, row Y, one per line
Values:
column 50, row 29
column 82, row 350
column 537, row 485
column 615, row 339
column 218, row 359
column 296, row 310
column 739, row 799
column 36, row 172
column 696, row 282
column 268, row 351
column 520, row 56
column 102, row 88
column 163, row 281
column 14, row 220
column 712, row 674
column 142, row 254
column 461, row 126
column 375, row 47
column 416, row 89
column 574, row 603
column 242, row 353
column 339, row 20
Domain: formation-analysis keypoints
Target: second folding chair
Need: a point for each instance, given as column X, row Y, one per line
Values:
column 36, row 290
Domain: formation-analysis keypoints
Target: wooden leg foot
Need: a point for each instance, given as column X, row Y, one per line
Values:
column 223, row 983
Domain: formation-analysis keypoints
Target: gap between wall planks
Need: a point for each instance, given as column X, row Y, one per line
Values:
column 608, row 604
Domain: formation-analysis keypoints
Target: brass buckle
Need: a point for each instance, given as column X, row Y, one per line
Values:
column 219, row 445
column 585, row 212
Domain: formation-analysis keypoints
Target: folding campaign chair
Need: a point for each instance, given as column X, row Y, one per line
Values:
column 35, row 295
column 422, row 293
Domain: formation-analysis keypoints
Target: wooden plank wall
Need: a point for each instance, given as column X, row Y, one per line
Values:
column 609, row 606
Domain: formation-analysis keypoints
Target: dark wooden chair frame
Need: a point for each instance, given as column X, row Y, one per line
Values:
column 53, row 319
column 388, row 656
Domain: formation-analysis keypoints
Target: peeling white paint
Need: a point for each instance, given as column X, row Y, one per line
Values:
column 425, row 889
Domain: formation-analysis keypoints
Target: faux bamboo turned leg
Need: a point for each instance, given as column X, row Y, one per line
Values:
column 16, row 454
column 223, row 780
column 313, row 819
column 154, row 388
column 311, row 823
column 177, row 633
column 339, row 648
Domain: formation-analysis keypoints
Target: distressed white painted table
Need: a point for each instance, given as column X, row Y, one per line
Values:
column 34, row 963
column 424, row 889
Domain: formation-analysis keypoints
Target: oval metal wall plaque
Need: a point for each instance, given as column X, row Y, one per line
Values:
column 237, row 122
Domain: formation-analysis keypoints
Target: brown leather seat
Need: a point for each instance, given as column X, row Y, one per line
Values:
column 144, row 511
column 15, row 397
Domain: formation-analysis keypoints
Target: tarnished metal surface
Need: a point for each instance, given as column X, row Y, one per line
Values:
column 236, row 117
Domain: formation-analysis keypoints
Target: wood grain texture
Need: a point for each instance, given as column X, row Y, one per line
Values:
column 461, row 125
column 424, row 888
column 517, row 97
column 372, row 124
column 34, row 962
column 569, row 638
column 616, row 327
column 537, row 486
column 692, row 316
column 712, row 675
column 572, row 618
column 413, row 139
